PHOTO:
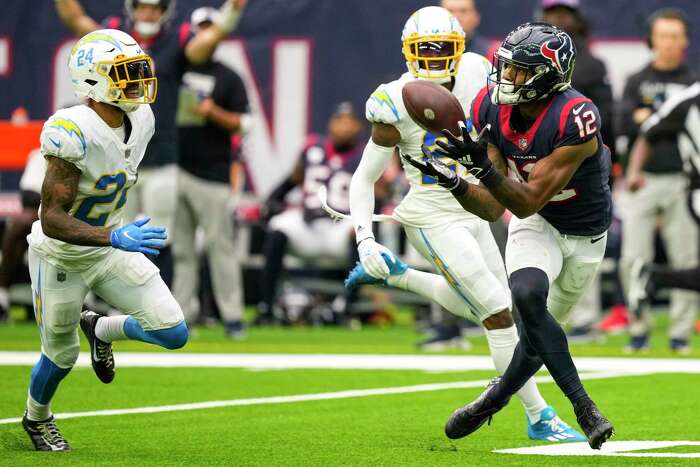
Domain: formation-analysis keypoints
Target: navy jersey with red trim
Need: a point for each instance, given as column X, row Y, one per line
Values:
column 324, row 166
column 167, row 49
column 584, row 206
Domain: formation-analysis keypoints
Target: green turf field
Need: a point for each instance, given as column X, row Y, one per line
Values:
column 354, row 429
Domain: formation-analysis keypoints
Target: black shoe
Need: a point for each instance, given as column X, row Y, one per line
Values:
column 466, row 420
column 235, row 330
column 680, row 346
column 45, row 435
column 595, row 426
column 637, row 344
column 100, row 352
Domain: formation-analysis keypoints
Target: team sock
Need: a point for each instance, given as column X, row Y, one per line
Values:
column 111, row 328
column 502, row 343
column 46, row 376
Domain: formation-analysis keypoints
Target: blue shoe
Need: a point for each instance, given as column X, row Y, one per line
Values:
column 358, row 276
column 552, row 428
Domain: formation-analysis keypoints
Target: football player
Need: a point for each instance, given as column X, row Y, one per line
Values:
column 472, row 281
column 548, row 135
column 173, row 48
column 308, row 232
column 79, row 244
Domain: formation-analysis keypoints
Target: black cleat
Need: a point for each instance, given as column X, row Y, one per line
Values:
column 100, row 352
column 469, row 418
column 45, row 435
column 596, row 427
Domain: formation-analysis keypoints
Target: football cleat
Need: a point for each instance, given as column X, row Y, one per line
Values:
column 596, row 427
column 101, row 354
column 552, row 428
column 45, row 435
column 469, row 418
column 358, row 276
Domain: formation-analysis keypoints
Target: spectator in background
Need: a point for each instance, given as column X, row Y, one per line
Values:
column 678, row 118
column 468, row 16
column 657, row 192
column 590, row 78
column 14, row 242
column 173, row 48
column 213, row 106
column 309, row 232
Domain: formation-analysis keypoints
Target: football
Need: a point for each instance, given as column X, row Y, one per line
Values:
column 432, row 106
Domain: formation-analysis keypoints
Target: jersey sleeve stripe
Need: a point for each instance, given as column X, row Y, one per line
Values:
column 564, row 115
column 476, row 106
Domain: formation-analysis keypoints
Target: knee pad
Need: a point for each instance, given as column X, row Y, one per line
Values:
column 529, row 287
column 171, row 338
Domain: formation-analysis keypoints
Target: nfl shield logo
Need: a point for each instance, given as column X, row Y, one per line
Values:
column 522, row 143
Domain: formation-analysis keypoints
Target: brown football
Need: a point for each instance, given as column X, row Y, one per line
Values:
column 432, row 106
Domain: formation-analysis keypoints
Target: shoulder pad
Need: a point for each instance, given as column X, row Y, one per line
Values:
column 381, row 107
column 62, row 137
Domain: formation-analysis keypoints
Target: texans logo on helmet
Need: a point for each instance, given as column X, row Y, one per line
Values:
column 559, row 56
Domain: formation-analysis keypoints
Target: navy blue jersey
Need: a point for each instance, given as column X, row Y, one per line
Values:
column 167, row 49
column 324, row 166
column 584, row 206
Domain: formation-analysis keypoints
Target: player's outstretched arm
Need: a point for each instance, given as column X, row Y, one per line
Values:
column 548, row 177
column 375, row 159
column 202, row 46
column 74, row 17
column 57, row 195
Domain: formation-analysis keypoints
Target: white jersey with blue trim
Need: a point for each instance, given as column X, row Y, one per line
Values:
column 108, row 167
column 427, row 204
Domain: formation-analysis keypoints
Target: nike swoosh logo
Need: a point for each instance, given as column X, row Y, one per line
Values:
column 57, row 144
column 578, row 109
column 94, row 353
column 593, row 240
column 126, row 234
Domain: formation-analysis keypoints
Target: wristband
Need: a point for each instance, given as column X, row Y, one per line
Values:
column 492, row 178
column 461, row 188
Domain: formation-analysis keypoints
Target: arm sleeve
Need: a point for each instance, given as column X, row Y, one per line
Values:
column 579, row 122
column 375, row 160
column 62, row 137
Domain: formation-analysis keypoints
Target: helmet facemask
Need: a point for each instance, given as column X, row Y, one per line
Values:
column 434, row 56
column 130, row 81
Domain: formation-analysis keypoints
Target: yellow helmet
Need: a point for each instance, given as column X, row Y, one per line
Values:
column 433, row 43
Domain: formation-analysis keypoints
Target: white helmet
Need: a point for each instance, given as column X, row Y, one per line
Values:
column 433, row 43
column 109, row 66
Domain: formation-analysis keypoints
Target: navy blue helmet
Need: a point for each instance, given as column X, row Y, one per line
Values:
column 534, row 61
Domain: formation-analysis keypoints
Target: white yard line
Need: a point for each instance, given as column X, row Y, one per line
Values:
column 354, row 393
column 433, row 363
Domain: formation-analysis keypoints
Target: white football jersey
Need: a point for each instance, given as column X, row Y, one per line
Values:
column 108, row 168
column 427, row 204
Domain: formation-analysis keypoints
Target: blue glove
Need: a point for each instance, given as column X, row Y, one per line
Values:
column 135, row 237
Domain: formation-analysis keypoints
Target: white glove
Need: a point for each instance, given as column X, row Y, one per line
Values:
column 370, row 253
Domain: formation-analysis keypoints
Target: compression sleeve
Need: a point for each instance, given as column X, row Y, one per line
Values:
column 375, row 160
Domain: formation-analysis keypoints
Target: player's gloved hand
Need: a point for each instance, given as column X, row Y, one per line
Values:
column 471, row 154
column 445, row 176
column 136, row 237
column 370, row 253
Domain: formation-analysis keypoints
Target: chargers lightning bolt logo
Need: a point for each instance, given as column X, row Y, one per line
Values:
column 70, row 128
column 382, row 98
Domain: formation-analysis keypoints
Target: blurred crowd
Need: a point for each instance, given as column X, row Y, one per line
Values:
column 287, row 257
